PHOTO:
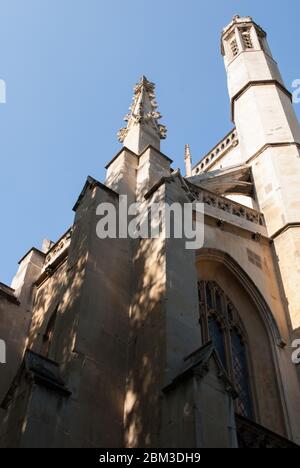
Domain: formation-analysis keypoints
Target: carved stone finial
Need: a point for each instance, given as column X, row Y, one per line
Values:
column 221, row 223
column 239, row 19
column 143, row 125
column 187, row 152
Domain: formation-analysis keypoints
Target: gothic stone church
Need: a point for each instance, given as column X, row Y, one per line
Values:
column 143, row 343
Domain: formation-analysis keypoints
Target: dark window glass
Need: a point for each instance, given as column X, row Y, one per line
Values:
column 241, row 375
column 209, row 300
column 217, row 337
column 221, row 319
column 229, row 313
column 201, row 293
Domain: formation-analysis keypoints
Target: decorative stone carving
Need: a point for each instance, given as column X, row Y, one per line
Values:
column 256, row 237
column 143, row 110
column 229, row 141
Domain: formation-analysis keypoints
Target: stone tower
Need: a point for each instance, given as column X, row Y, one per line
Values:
column 131, row 341
column 269, row 136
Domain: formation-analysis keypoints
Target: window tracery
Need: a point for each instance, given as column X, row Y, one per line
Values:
column 222, row 325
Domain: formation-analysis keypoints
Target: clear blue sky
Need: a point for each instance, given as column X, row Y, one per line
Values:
column 70, row 66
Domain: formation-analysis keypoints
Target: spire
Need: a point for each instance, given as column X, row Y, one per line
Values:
column 143, row 128
column 188, row 161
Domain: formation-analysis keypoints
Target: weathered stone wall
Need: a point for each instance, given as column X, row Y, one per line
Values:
column 275, row 379
column 14, row 326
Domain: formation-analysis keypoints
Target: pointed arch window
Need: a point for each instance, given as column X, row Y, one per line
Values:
column 222, row 325
column 246, row 38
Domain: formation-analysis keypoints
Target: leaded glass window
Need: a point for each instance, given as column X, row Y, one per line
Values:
column 217, row 337
column 240, row 372
column 246, row 38
column 218, row 301
column 222, row 325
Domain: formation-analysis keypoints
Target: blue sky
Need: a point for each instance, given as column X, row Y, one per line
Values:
column 70, row 66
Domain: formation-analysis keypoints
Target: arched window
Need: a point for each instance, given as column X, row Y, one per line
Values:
column 222, row 325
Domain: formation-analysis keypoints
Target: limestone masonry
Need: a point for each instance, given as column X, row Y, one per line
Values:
column 143, row 343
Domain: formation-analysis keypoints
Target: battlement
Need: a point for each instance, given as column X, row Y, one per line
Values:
column 228, row 143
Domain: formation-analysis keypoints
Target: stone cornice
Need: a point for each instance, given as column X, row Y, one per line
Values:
column 197, row 365
column 238, row 21
column 234, row 179
column 250, row 287
column 245, row 230
column 257, row 83
column 36, row 369
column 225, row 145
column 255, row 155
column 52, row 269
column 251, row 434
column 157, row 151
column 143, row 111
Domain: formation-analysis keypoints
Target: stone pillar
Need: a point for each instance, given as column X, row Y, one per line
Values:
column 269, row 135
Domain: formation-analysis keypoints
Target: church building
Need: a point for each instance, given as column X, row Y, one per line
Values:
column 128, row 343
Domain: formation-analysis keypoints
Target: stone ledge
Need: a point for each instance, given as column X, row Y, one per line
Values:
column 197, row 364
column 33, row 249
column 90, row 184
column 56, row 250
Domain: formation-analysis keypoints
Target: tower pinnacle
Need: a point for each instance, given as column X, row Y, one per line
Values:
column 143, row 127
column 188, row 161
